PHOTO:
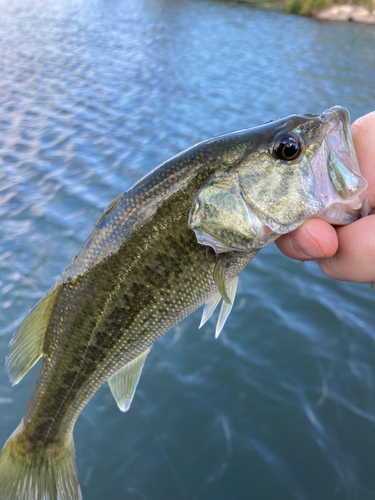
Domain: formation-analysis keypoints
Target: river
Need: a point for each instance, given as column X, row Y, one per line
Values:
column 93, row 95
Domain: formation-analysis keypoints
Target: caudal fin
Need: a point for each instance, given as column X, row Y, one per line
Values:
column 48, row 475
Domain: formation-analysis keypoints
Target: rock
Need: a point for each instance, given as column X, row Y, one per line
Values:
column 347, row 13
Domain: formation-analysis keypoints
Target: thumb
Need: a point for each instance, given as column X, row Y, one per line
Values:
column 355, row 257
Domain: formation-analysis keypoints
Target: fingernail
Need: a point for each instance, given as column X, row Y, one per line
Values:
column 299, row 248
column 304, row 248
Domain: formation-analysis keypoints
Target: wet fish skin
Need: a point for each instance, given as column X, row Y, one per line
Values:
column 250, row 204
column 139, row 273
column 112, row 303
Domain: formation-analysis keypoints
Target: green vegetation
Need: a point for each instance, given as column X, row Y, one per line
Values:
column 307, row 7
column 266, row 4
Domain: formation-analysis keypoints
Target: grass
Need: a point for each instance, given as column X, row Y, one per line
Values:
column 266, row 4
column 306, row 7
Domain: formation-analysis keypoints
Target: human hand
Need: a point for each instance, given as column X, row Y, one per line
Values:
column 344, row 253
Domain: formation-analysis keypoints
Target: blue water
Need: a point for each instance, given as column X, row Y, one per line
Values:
column 93, row 95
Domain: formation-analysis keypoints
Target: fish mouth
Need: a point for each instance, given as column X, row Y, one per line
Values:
column 347, row 198
column 337, row 129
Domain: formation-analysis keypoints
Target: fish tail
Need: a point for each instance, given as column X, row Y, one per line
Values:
column 46, row 474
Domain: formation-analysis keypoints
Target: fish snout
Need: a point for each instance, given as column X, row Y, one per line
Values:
column 347, row 200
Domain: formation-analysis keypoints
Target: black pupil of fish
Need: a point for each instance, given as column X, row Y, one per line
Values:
column 288, row 147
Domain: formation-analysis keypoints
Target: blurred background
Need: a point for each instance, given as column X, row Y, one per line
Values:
column 93, row 95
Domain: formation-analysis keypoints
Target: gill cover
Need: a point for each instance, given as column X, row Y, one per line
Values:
column 250, row 204
column 272, row 190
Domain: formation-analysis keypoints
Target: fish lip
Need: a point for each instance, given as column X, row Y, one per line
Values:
column 331, row 123
column 336, row 118
column 338, row 110
column 337, row 140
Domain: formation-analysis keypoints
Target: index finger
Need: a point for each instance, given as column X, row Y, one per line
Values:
column 363, row 132
column 316, row 239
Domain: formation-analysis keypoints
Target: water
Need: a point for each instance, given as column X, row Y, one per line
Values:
column 95, row 94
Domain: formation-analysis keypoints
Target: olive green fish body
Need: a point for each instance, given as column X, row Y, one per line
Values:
column 117, row 310
column 176, row 240
column 140, row 272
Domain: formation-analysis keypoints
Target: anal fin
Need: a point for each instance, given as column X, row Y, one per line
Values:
column 124, row 383
column 26, row 346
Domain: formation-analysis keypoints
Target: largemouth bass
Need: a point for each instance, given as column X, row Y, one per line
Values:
column 174, row 241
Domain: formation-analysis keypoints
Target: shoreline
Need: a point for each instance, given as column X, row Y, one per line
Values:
column 351, row 13
column 335, row 12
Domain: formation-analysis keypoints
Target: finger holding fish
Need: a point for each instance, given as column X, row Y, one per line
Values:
column 345, row 253
column 174, row 241
column 355, row 257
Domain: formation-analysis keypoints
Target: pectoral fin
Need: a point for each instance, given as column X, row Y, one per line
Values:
column 26, row 346
column 219, row 278
column 124, row 383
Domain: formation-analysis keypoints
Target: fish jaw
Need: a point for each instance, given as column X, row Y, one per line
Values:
column 337, row 171
column 250, row 204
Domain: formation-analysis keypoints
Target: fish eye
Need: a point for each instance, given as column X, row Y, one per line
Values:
column 288, row 147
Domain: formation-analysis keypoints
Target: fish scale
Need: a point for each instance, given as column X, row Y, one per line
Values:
column 112, row 318
column 176, row 240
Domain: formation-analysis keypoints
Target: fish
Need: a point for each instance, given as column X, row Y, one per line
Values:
column 173, row 242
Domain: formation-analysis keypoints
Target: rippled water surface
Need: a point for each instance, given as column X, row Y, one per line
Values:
column 95, row 94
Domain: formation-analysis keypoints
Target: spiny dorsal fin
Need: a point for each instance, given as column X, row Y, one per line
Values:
column 111, row 207
column 26, row 346
column 225, row 307
column 124, row 383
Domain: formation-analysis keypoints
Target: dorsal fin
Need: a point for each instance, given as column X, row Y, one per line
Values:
column 111, row 207
column 26, row 346
column 124, row 383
